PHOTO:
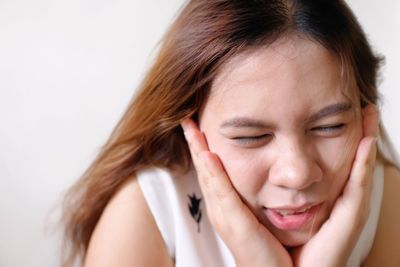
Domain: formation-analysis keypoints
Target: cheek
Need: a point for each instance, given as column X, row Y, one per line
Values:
column 244, row 167
column 337, row 157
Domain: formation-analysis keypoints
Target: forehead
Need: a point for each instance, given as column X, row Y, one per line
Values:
column 291, row 68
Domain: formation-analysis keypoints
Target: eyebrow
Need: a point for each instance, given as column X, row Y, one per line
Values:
column 331, row 110
column 245, row 122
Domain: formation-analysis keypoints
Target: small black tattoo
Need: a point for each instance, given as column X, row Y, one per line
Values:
column 194, row 209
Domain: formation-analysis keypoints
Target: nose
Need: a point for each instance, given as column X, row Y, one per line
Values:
column 295, row 166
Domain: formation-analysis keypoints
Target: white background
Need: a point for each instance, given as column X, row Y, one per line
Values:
column 67, row 71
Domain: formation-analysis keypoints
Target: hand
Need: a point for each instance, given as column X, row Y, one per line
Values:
column 249, row 241
column 334, row 242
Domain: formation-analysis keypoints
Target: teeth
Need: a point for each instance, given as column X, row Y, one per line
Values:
column 303, row 210
column 287, row 212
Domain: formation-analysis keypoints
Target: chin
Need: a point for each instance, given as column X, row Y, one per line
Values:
column 294, row 239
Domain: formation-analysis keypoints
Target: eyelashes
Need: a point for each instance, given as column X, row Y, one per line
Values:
column 251, row 140
column 320, row 131
column 329, row 129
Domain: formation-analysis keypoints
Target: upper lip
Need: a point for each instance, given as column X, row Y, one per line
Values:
column 295, row 208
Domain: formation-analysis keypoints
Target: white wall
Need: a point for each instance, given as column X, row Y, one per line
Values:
column 381, row 22
column 67, row 71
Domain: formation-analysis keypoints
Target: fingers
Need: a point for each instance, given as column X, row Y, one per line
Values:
column 360, row 181
column 224, row 206
column 370, row 120
column 353, row 206
column 358, row 188
column 209, row 168
column 230, row 216
column 337, row 237
column 223, row 203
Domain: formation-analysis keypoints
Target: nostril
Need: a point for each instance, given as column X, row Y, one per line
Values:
column 295, row 175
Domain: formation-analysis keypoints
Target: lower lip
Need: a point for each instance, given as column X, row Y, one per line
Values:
column 291, row 222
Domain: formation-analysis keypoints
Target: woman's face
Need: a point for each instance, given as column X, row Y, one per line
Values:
column 285, row 133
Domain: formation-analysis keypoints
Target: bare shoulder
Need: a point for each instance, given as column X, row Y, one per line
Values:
column 126, row 234
column 385, row 251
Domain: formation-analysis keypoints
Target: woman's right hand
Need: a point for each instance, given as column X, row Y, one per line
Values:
column 249, row 241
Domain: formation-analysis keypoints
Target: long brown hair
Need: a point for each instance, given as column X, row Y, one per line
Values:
column 203, row 37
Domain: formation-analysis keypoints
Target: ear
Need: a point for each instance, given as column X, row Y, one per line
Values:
column 370, row 116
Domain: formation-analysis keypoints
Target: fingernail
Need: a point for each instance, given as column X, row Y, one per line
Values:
column 185, row 134
column 188, row 135
column 185, row 124
column 184, row 128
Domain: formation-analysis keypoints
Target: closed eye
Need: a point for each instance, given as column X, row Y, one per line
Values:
column 252, row 140
column 329, row 129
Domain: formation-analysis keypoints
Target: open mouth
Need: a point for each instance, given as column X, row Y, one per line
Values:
column 285, row 213
column 291, row 219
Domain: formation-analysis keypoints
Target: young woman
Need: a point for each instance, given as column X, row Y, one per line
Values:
column 254, row 140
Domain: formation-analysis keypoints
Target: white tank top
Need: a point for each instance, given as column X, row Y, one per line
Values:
column 178, row 208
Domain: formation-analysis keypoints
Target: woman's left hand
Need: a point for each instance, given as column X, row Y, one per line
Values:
column 332, row 245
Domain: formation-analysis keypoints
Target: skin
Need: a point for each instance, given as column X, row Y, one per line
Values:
column 280, row 155
column 385, row 251
column 127, row 234
column 236, row 224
